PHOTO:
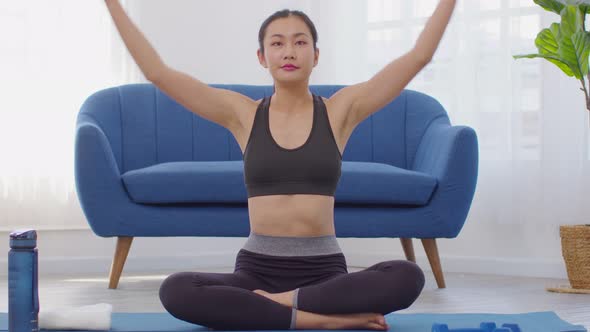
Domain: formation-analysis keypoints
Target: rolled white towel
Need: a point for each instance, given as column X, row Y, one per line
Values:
column 90, row 317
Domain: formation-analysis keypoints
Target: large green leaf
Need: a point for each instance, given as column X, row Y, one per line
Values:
column 550, row 5
column 548, row 45
column 556, row 6
column 571, row 20
column 547, row 40
column 571, row 23
column 581, row 41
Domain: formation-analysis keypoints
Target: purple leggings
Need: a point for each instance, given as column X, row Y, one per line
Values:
column 226, row 301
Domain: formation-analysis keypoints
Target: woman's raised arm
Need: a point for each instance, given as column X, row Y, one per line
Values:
column 142, row 52
column 221, row 106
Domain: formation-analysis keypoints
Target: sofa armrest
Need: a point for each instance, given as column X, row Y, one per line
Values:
column 449, row 153
column 97, row 175
column 444, row 149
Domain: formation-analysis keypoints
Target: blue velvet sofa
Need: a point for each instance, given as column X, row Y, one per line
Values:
column 146, row 166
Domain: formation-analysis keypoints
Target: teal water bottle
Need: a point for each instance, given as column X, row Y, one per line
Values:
column 23, row 296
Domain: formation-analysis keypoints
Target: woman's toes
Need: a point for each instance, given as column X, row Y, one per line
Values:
column 376, row 326
column 379, row 319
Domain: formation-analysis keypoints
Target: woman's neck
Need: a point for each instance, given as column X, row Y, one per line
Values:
column 291, row 98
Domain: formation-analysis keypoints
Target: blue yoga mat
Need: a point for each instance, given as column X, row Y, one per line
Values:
column 546, row 321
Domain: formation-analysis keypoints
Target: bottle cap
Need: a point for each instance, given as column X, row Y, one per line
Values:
column 23, row 238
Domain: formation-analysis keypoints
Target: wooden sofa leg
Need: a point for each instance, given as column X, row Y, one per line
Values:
column 408, row 249
column 123, row 245
column 434, row 259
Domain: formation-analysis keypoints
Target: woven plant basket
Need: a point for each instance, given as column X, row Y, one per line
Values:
column 575, row 247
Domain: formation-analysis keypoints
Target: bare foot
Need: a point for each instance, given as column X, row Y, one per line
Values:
column 372, row 321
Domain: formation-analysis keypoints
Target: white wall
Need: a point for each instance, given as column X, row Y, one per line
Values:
column 224, row 51
column 217, row 52
column 214, row 51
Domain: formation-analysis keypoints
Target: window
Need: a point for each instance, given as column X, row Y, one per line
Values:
column 472, row 73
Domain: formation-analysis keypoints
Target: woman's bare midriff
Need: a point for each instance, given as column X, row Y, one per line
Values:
column 297, row 215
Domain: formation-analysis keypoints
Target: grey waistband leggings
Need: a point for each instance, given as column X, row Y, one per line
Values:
column 314, row 267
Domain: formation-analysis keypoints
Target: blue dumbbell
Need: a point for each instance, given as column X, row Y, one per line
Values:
column 483, row 327
column 514, row 327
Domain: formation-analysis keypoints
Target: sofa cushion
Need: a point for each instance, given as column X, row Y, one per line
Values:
column 223, row 182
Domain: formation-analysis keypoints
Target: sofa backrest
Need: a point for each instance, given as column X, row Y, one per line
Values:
column 145, row 127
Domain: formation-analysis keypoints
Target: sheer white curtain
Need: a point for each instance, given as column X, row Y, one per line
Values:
column 53, row 55
column 529, row 116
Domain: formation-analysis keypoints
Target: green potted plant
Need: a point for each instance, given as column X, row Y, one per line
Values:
column 567, row 45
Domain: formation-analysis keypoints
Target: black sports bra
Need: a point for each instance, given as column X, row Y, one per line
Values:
column 312, row 168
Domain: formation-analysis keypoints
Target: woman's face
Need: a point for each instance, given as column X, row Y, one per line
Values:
column 288, row 41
